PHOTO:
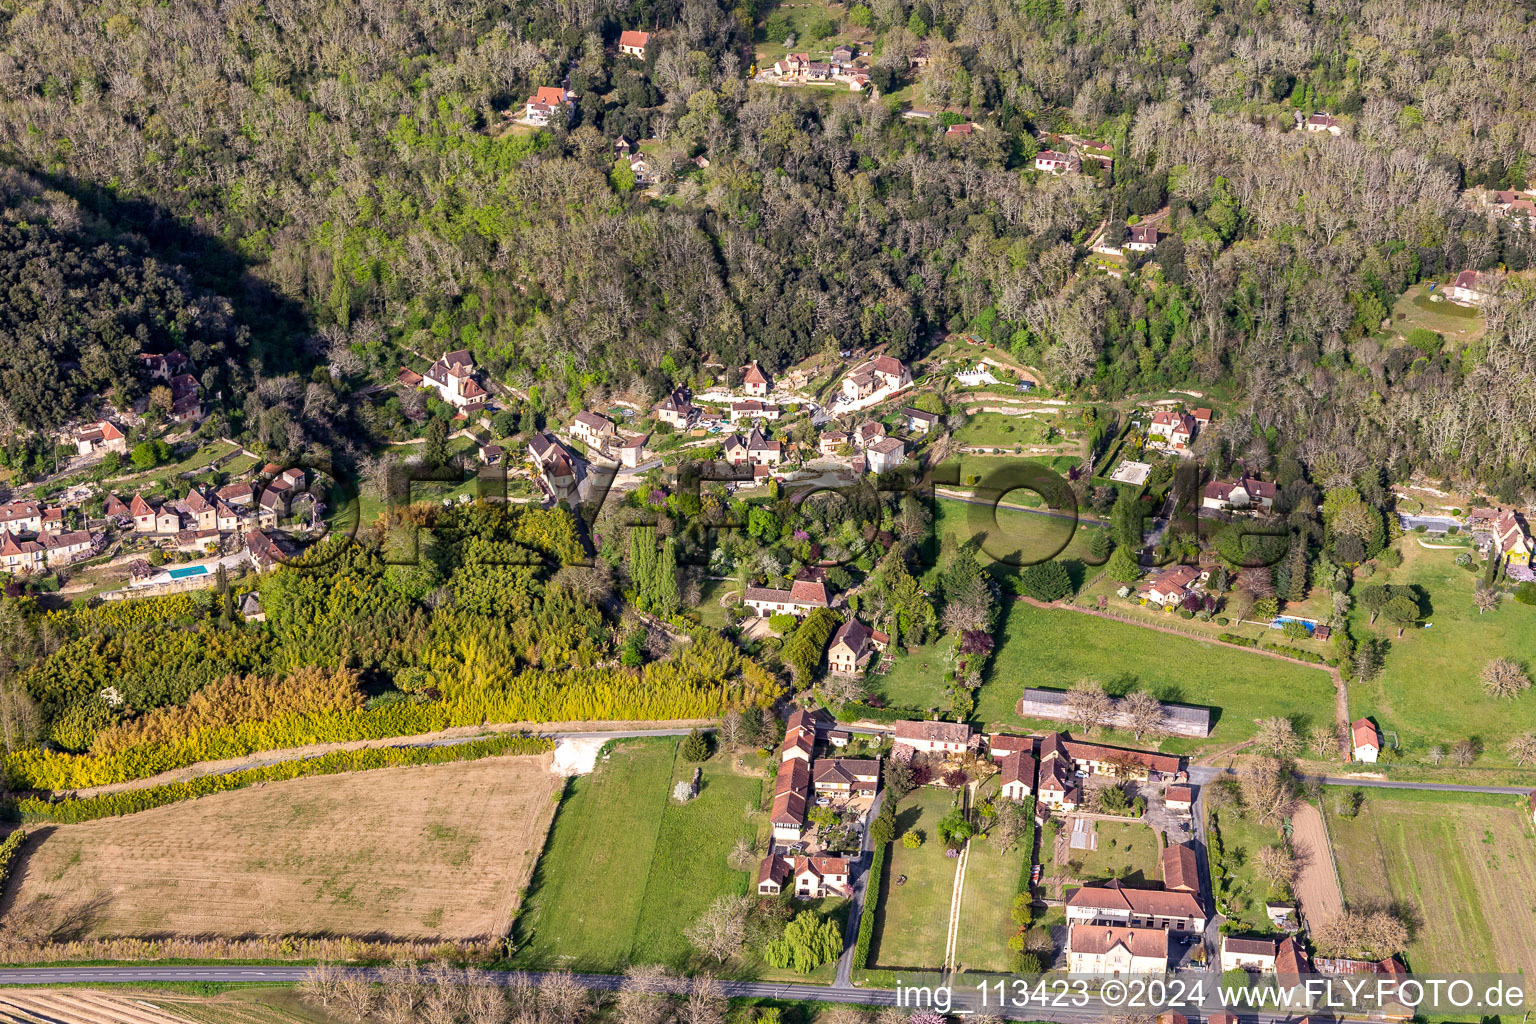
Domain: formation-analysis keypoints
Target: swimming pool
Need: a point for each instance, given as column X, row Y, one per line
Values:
column 187, row 570
column 1280, row 621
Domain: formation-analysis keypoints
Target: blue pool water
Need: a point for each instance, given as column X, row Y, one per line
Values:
column 187, row 570
column 1283, row 619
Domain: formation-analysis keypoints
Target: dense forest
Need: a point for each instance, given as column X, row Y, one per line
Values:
column 342, row 171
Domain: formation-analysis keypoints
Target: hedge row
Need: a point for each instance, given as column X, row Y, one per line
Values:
column 8, row 850
column 871, row 905
column 853, row 711
column 1295, row 652
column 1028, row 843
column 1240, row 641
column 106, row 805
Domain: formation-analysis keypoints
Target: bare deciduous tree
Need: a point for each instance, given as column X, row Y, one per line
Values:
column 721, row 930
column 1277, row 735
column 1522, row 748
column 320, row 984
column 1089, row 704
column 706, row 1003
column 643, row 995
column 1267, row 788
column 1504, row 678
column 1145, row 712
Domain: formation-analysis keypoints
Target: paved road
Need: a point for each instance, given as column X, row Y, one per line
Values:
column 965, row 998
column 1439, row 787
column 856, row 904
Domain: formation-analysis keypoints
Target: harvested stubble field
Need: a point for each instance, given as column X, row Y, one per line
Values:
column 441, row 851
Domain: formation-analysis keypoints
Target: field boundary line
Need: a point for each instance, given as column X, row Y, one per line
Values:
column 1328, row 835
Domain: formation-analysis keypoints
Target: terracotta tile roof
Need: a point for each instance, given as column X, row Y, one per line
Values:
column 1151, row 902
column 773, row 869
column 1002, row 744
column 1180, row 794
column 1362, row 732
column 1251, row 947
column 1099, row 938
column 1078, row 751
column 1291, row 958
column 933, row 732
column 1181, row 868
column 754, row 375
column 1019, row 768
column 630, row 37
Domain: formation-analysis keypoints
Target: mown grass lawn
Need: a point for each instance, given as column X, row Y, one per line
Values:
column 625, row 869
column 1429, row 692
column 1009, row 537
column 986, row 905
column 1242, row 838
column 1056, row 648
column 998, row 430
column 1127, row 850
column 911, row 927
column 1462, row 865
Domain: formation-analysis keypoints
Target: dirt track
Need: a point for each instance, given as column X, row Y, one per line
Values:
column 1317, row 887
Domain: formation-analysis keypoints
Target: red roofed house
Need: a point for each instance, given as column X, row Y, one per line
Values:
column 1510, row 540
column 1244, row 492
column 1177, row 428
column 453, row 377
column 934, row 737
column 852, row 646
column 143, row 515
column 103, row 435
column 1181, row 869
column 633, row 43
column 1116, row 950
column 1018, row 776
column 549, row 102
column 816, row 877
column 1472, row 288
column 21, row 517
column 801, row 598
column 755, row 382
column 791, row 794
column 1365, row 739
column 1321, row 122
column 880, row 372
column 1179, row 798
column 1116, row 903
column 1172, row 585
column 20, row 555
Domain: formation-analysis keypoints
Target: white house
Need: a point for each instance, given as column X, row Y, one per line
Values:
column 934, row 737
column 801, row 598
column 1116, row 950
column 1247, row 954
column 103, row 435
column 1245, row 492
column 453, row 378
column 548, row 103
column 632, row 43
column 1472, row 288
column 755, row 382
column 885, row 455
column 1321, row 122
column 1143, row 238
column 1365, row 739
